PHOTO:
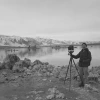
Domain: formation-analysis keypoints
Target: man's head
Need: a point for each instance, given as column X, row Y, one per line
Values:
column 84, row 45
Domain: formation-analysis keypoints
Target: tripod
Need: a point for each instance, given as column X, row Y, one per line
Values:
column 69, row 66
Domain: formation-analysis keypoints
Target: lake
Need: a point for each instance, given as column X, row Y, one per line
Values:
column 55, row 56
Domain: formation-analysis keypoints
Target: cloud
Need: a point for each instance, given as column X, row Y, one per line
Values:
column 59, row 19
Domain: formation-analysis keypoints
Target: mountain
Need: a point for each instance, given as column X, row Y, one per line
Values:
column 26, row 41
column 17, row 41
column 44, row 41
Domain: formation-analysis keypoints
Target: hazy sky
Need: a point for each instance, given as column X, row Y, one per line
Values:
column 57, row 19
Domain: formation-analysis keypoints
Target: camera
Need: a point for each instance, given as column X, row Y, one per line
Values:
column 71, row 49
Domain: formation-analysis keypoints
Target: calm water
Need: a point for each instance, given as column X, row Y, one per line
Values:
column 53, row 56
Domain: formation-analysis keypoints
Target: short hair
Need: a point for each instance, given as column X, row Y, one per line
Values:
column 84, row 44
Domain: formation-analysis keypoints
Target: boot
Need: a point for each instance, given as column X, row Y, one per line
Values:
column 81, row 84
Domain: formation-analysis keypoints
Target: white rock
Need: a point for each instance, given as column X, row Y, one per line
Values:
column 49, row 97
column 60, row 96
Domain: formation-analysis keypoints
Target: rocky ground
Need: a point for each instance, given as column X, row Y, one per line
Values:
column 26, row 80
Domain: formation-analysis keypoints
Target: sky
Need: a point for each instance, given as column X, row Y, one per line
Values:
column 76, row 20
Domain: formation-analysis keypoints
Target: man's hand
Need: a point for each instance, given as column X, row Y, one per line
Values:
column 70, row 54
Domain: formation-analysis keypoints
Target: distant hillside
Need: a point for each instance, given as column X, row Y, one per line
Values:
column 44, row 41
column 17, row 41
column 26, row 41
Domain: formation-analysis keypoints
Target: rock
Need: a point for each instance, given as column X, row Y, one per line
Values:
column 13, row 78
column 62, row 79
column 95, row 89
column 2, row 79
column 91, row 88
column 38, row 98
column 4, row 74
column 18, row 67
column 50, row 68
column 55, row 94
column 60, row 96
column 37, row 74
column 36, row 62
column 43, row 70
column 50, row 97
column 62, row 74
column 46, row 63
column 48, row 74
column 44, row 79
column 10, row 60
column 30, row 67
column 26, row 62
column 88, row 86
column 93, row 77
column 28, row 71
column 52, row 90
column 36, row 67
column 56, row 72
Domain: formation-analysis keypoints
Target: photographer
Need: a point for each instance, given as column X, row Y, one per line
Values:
column 84, row 62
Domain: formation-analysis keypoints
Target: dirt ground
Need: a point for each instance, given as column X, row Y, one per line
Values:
column 34, row 87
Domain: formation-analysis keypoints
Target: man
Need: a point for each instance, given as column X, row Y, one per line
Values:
column 84, row 62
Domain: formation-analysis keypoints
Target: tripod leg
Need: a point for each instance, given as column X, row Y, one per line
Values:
column 70, row 73
column 77, row 70
column 67, row 72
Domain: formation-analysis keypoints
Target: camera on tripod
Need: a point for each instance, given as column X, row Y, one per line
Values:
column 71, row 49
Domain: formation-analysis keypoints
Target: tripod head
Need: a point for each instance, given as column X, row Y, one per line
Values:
column 71, row 49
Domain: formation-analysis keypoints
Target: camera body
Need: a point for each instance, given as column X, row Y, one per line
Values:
column 71, row 49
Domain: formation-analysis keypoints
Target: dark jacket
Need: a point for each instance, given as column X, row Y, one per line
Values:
column 85, row 57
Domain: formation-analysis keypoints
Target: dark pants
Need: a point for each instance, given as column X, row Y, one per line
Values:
column 84, row 74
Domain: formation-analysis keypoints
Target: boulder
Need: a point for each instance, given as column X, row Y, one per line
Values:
column 10, row 60
column 4, row 73
column 56, row 72
column 12, row 78
column 36, row 67
column 55, row 94
column 91, row 88
column 50, row 68
column 36, row 62
column 18, row 67
column 93, row 77
column 2, row 78
column 28, row 71
column 26, row 62
column 45, row 63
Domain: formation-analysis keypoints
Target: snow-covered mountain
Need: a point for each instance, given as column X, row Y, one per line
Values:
column 26, row 41
column 44, row 41
column 17, row 41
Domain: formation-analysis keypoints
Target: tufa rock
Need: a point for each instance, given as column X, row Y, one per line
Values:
column 26, row 62
column 18, row 67
column 10, row 60
column 36, row 62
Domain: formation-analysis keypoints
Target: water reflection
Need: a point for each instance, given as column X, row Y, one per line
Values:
column 22, row 52
column 56, row 56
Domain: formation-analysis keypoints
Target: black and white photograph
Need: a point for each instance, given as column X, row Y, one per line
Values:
column 49, row 49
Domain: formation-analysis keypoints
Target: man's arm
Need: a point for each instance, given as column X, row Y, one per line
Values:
column 76, row 56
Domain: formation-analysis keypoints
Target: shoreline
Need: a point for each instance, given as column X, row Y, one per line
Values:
column 60, row 46
column 33, row 80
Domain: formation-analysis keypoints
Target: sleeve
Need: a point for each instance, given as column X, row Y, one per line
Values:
column 76, row 56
